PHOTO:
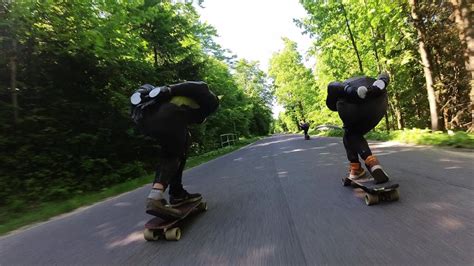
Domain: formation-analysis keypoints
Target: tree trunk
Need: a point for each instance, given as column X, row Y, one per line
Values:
column 374, row 43
column 300, row 105
column 155, row 54
column 377, row 59
column 352, row 39
column 463, row 15
column 446, row 120
column 425, row 58
column 398, row 112
column 13, row 82
column 429, row 84
column 387, row 125
column 379, row 65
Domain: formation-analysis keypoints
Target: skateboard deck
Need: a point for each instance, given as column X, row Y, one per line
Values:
column 158, row 227
column 374, row 193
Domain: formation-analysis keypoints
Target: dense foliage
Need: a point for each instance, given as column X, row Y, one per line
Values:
column 353, row 37
column 65, row 127
column 67, row 69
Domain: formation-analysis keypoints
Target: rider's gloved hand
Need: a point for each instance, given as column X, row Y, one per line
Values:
column 148, row 92
column 141, row 94
column 161, row 93
column 355, row 93
column 385, row 78
column 378, row 87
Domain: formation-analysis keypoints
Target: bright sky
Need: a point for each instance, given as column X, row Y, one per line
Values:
column 252, row 29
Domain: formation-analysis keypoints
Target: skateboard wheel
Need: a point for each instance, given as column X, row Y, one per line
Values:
column 394, row 195
column 202, row 206
column 346, row 181
column 371, row 199
column 173, row 234
column 150, row 235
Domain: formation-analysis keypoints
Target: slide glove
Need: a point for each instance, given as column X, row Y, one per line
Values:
column 161, row 94
column 379, row 86
column 148, row 94
column 141, row 94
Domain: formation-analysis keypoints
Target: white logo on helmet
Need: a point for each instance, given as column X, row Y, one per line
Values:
column 379, row 84
column 136, row 98
column 362, row 91
column 154, row 92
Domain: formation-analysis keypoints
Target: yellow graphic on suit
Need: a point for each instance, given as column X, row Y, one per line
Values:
column 181, row 100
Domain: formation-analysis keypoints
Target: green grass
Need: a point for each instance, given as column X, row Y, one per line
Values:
column 46, row 210
column 458, row 139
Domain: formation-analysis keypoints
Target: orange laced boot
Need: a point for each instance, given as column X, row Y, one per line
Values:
column 356, row 171
column 374, row 167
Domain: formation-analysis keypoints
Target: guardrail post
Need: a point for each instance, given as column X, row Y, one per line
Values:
column 227, row 139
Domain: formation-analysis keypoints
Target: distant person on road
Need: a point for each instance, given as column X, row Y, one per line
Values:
column 361, row 103
column 305, row 127
column 164, row 114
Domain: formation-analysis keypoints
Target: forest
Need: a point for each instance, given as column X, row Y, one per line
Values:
column 427, row 47
column 68, row 68
column 66, row 126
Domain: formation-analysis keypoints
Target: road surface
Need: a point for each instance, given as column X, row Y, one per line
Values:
column 280, row 202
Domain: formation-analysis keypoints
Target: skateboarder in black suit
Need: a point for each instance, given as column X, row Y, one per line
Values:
column 361, row 103
column 164, row 114
column 305, row 127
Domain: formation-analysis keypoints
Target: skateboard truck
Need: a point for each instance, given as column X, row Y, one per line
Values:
column 374, row 193
column 157, row 227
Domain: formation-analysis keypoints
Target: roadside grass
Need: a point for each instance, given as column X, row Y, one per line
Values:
column 14, row 219
column 458, row 139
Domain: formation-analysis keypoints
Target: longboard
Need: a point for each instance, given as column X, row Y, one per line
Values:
column 374, row 193
column 158, row 227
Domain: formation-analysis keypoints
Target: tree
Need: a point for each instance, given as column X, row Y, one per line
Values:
column 253, row 82
column 427, row 65
column 450, row 78
column 383, row 44
column 361, row 68
column 387, row 39
column 9, row 26
column 77, row 63
column 464, row 20
column 294, row 83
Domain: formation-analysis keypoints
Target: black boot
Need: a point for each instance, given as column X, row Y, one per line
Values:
column 373, row 165
column 181, row 196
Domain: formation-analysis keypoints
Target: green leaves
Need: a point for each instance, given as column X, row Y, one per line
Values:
column 254, row 83
column 386, row 39
column 77, row 64
column 294, row 83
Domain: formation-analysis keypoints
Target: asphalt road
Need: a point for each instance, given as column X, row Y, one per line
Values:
column 280, row 202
